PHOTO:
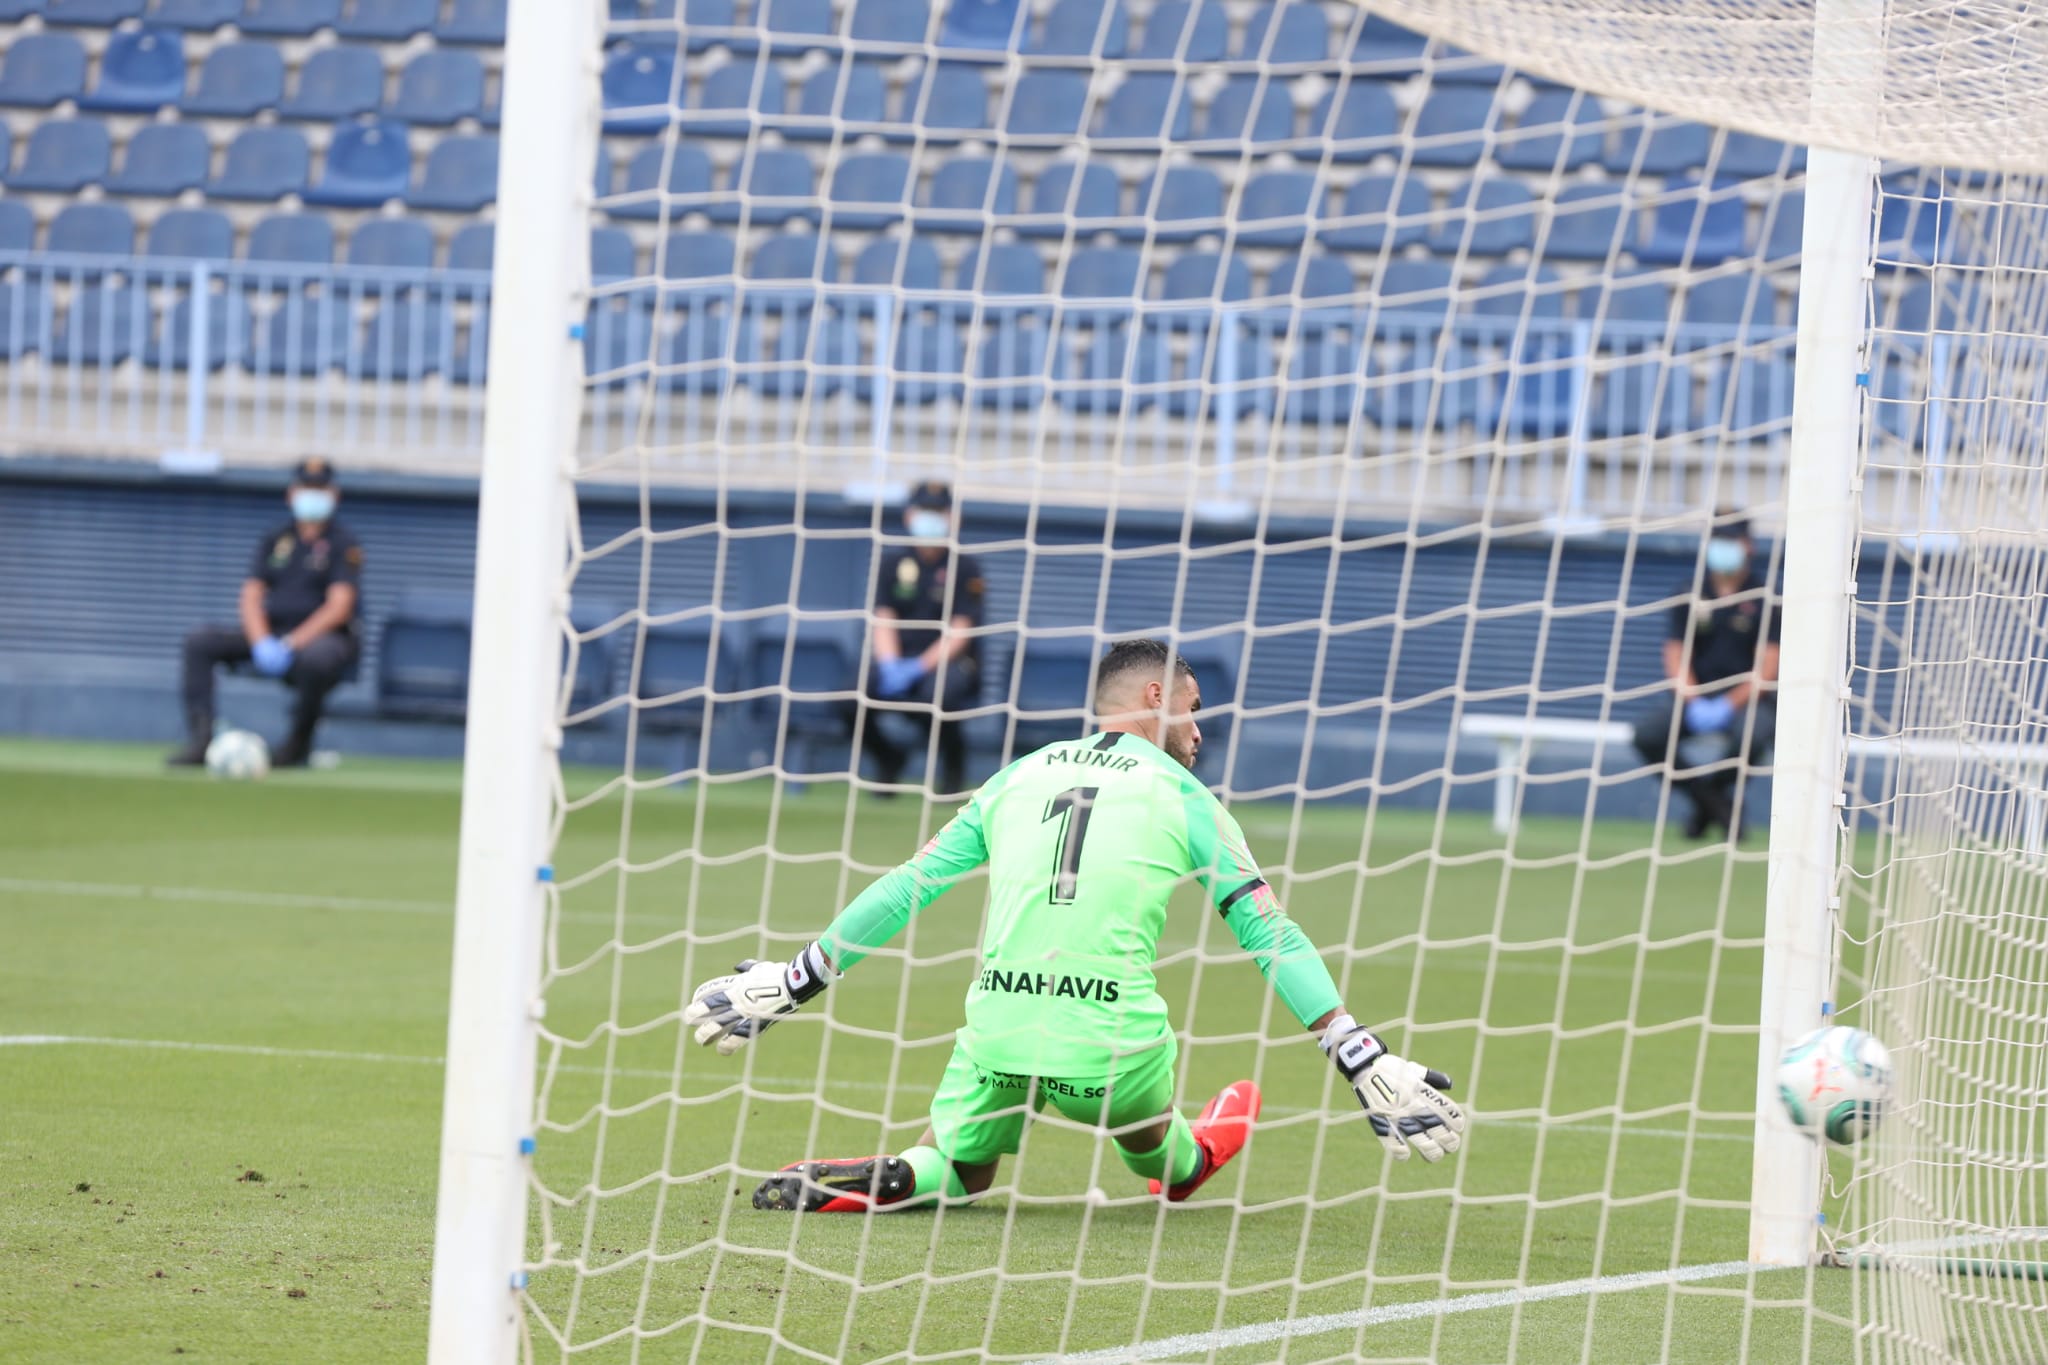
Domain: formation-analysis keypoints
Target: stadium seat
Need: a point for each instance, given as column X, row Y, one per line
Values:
column 699, row 355
column 959, row 198
column 1725, row 309
column 309, row 334
column 1192, row 276
column 1590, row 222
column 906, row 263
column 461, row 175
column 891, row 23
column 1489, row 216
column 1632, row 394
column 612, row 256
column 91, row 13
column 795, row 26
column 140, row 72
column 868, row 191
column 202, row 234
column 1072, row 197
column 808, row 669
column 788, row 268
column 706, row 24
column 237, row 80
column 1104, row 272
column 1010, row 367
column 698, row 256
column 1785, row 226
column 163, row 160
column 1450, row 127
column 688, row 189
column 337, row 83
column 1538, row 142
column 1384, row 43
column 64, row 156
column 1177, row 204
column 685, row 667
column 291, row 239
column 1696, row 224
column 1301, row 34
column 1148, row 105
column 480, row 23
column 226, row 340
column 1248, row 109
column 1323, row 283
column 474, row 245
column 949, row 101
column 387, row 20
column 1322, row 383
column 994, row 26
column 1047, row 106
column 769, row 186
column 105, row 325
column 1283, row 203
column 1190, row 30
column 368, row 164
column 392, row 244
column 1380, row 211
column 408, row 339
column 423, row 655
column 1674, row 145
column 1081, row 28
column 618, row 340
column 289, row 18
column 1358, row 119
column 437, row 88
column 1410, row 392
column 42, row 69
column 1053, row 675
column 1753, row 156
column 727, row 101
column 263, row 164
column 1413, row 300
column 835, row 97
column 27, row 320
column 642, row 80
column 1514, row 292
column 1120, row 366
column 17, row 225
column 91, row 230
column 196, row 14
column 1002, row 270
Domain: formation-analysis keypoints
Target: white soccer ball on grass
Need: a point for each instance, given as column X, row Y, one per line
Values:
column 1836, row 1083
column 238, row 756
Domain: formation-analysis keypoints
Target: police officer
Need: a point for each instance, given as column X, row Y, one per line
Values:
column 1721, row 655
column 927, row 599
column 298, row 618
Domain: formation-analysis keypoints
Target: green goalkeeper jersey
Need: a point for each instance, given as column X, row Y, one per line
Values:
column 1085, row 842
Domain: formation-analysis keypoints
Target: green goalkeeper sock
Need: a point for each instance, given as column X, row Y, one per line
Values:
column 935, row 1175
column 1178, row 1154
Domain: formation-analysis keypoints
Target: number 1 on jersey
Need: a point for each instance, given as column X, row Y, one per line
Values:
column 1071, row 809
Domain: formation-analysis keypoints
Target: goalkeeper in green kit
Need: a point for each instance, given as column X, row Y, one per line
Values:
column 1085, row 842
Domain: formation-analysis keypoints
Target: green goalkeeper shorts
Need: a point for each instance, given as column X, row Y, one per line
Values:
column 978, row 1115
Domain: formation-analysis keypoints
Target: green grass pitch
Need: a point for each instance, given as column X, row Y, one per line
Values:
column 230, row 1156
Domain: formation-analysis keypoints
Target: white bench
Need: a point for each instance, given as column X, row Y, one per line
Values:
column 1513, row 736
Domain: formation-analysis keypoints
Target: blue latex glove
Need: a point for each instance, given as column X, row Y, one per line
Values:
column 894, row 677
column 272, row 656
column 1709, row 715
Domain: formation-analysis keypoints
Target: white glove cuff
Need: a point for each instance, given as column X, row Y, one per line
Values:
column 808, row 973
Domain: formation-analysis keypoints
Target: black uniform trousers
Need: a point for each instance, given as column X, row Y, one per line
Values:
column 962, row 686
column 315, row 671
column 1661, row 729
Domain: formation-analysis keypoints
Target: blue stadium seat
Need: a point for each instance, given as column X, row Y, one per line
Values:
column 959, row 198
column 1450, row 127
column 163, row 160
column 439, row 88
column 1079, row 28
column 423, row 655
column 770, row 185
column 1104, row 272
column 1673, row 145
column 43, row 69
column 196, row 14
column 1590, row 222
column 1697, row 224
column 91, row 13
column 140, row 72
column 388, row 20
column 1632, row 393
column 1011, row 269
column 949, row 101
column 337, row 83
column 26, row 320
column 1282, row 203
column 689, row 182
column 263, row 164
column 686, row 666
column 1316, row 279
column 907, row 263
column 1149, row 105
column 994, row 26
column 1560, row 130
column 474, row 245
column 1192, row 277
column 837, row 96
column 727, row 100
column 1010, row 365
column 461, row 175
column 1379, row 210
column 64, row 156
column 1053, row 674
column 612, row 256
column 291, row 239
column 893, row 23
column 1119, row 366
column 641, row 79
column 1080, row 197
column 408, row 339
column 929, row 365
column 1302, row 34
column 105, row 325
column 698, row 256
column 17, row 226
column 392, row 244
column 618, row 340
column 309, row 334
column 699, row 355
column 368, row 164
column 1236, row 370
column 1488, row 216
column 1513, row 292
column 1410, row 392
column 1413, row 299
column 226, row 340
column 11, row 10
column 1728, row 308
column 91, row 229
column 201, row 234
column 1359, row 119
column 1047, row 106
column 869, row 190
column 480, row 23
column 706, row 24
column 787, row 270
column 1322, row 380
column 289, row 18
column 237, row 80
column 1177, row 204
column 1384, row 43
column 1754, row 156
column 1785, row 227
column 1191, row 30
column 793, row 659
column 797, row 25
column 1249, row 108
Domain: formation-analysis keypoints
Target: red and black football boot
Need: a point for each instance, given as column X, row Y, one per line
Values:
column 848, row 1185
column 1220, row 1130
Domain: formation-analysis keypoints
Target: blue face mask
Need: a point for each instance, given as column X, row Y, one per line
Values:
column 1725, row 556
column 312, row 504
column 928, row 525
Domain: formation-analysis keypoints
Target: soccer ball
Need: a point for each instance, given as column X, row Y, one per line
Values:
column 238, row 755
column 1837, row 1082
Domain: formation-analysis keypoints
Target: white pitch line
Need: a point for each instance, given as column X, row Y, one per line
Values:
column 1254, row 1334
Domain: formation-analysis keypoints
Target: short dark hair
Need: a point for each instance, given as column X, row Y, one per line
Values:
column 1148, row 660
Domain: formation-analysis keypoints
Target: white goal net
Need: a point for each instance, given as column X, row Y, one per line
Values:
column 1416, row 399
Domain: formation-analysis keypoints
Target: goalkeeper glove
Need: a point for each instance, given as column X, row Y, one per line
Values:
column 731, row 1011
column 1404, row 1101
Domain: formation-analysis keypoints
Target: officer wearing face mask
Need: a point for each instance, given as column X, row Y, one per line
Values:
column 1721, row 655
column 297, row 619
column 927, row 598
